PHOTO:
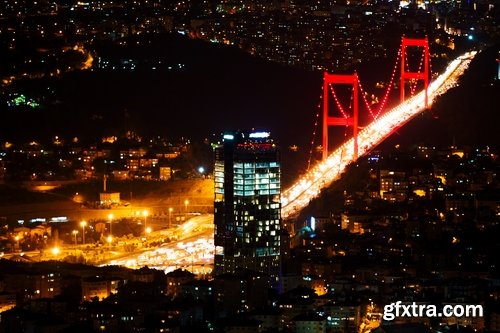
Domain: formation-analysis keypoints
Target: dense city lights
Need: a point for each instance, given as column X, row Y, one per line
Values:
column 158, row 173
column 191, row 246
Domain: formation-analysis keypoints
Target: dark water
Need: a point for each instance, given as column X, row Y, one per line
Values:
column 221, row 88
column 468, row 114
column 224, row 88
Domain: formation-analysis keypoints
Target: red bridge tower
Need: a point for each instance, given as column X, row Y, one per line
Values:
column 346, row 120
column 414, row 75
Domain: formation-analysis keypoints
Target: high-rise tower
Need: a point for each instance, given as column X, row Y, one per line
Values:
column 247, row 209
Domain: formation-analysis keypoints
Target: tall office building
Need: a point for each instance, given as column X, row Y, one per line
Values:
column 247, row 204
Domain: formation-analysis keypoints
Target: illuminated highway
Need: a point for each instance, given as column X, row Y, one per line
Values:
column 189, row 245
column 324, row 173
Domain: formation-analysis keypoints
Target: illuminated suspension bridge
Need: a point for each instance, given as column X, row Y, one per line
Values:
column 334, row 163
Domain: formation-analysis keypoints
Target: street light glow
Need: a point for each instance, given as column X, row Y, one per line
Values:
column 170, row 210
column 110, row 217
column 56, row 250
column 83, row 224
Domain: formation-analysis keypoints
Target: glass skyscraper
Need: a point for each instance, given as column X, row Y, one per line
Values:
column 247, row 209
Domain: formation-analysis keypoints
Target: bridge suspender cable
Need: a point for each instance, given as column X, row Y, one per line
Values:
column 382, row 104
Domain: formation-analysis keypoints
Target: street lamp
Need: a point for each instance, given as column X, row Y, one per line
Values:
column 110, row 218
column 170, row 210
column 186, row 203
column 75, row 232
column 17, row 241
column 145, row 213
column 56, row 250
column 201, row 170
column 83, row 224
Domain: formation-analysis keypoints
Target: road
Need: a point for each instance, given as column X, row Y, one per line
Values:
column 189, row 245
column 192, row 248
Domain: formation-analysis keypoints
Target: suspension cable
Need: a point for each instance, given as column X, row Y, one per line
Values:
column 382, row 104
column 337, row 102
column 413, row 87
column 430, row 68
column 313, row 139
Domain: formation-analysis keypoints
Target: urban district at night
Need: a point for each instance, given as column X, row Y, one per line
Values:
column 250, row 166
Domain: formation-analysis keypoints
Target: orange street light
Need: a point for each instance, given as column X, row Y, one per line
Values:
column 56, row 250
column 83, row 224
column 75, row 232
column 145, row 213
column 170, row 210
column 110, row 218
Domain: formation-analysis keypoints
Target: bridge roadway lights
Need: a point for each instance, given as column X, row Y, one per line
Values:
column 309, row 186
column 423, row 42
column 340, row 121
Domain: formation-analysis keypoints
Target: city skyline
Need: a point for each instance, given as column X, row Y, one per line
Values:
column 162, row 168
